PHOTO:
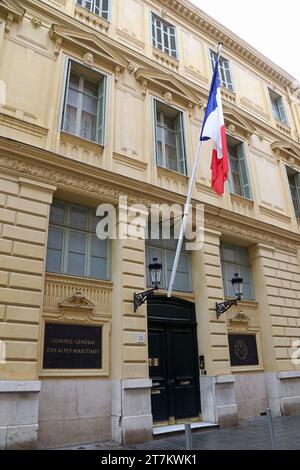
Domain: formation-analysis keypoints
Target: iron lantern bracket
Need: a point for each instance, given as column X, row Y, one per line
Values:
column 224, row 306
column 141, row 297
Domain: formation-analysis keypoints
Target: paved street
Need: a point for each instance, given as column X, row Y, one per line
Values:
column 249, row 435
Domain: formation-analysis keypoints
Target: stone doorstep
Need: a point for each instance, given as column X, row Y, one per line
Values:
column 164, row 430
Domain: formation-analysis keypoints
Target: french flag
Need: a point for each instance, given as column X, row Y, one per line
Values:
column 214, row 128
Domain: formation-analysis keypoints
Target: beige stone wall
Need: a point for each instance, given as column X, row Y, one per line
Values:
column 276, row 280
column 24, row 214
column 212, row 333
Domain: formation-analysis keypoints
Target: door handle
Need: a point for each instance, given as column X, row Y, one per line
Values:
column 185, row 382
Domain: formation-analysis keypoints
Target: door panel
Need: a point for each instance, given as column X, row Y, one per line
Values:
column 173, row 367
column 158, row 373
column 186, row 388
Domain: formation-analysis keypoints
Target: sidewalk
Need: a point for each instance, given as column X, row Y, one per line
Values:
column 249, row 435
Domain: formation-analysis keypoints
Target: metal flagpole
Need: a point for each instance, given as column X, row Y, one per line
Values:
column 187, row 208
column 184, row 220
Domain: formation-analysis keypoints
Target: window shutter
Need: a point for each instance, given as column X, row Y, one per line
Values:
column 245, row 180
column 101, row 111
column 297, row 185
column 228, row 75
column 155, row 134
column 180, row 143
column 66, row 81
column 281, row 110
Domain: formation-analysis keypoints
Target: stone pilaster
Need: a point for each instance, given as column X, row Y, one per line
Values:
column 218, row 403
column 24, row 214
column 131, row 400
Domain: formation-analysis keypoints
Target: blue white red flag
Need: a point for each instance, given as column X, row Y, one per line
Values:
column 214, row 128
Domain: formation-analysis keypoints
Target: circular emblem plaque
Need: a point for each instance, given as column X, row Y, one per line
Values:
column 241, row 350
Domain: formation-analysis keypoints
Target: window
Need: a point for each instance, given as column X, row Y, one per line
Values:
column 278, row 107
column 235, row 259
column 164, row 36
column 99, row 7
column 164, row 251
column 224, row 70
column 239, row 182
column 294, row 182
column 73, row 246
column 84, row 104
column 169, row 138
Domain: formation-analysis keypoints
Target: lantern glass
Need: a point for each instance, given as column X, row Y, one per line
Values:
column 155, row 269
column 237, row 284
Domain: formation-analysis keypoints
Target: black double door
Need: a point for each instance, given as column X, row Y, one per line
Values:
column 173, row 361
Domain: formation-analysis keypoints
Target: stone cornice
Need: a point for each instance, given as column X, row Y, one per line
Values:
column 13, row 12
column 13, row 7
column 169, row 82
column 85, row 39
column 193, row 15
column 45, row 166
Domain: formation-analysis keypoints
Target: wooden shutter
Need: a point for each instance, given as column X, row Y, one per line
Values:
column 180, row 144
column 244, row 174
column 101, row 111
column 297, row 185
column 66, row 81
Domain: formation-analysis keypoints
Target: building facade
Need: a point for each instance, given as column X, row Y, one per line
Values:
column 102, row 99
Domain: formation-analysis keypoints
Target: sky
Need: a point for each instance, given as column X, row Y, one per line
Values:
column 265, row 24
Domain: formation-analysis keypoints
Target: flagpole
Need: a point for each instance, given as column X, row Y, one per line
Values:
column 185, row 218
column 187, row 207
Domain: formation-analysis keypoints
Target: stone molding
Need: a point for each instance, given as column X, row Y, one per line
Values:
column 100, row 45
column 102, row 189
column 13, row 11
column 168, row 82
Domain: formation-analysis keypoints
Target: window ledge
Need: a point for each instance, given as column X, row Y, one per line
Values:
column 80, row 141
column 91, row 19
column 228, row 95
column 245, row 303
column 241, row 200
column 165, row 59
column 167, row 171
column 284, row 128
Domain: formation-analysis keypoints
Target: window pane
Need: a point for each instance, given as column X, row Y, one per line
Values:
column 74, row 81
column 55, row 238
column 76, row 255
column 88, row 126
column 77, row 242
column 99, row 247
column 228, row 253
column 79, row 217
column 57, row 212
column 70, row 119
column 91, row 88
column 53, row 261
column 54, row 250
column 243, row 256
column 98, row 268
